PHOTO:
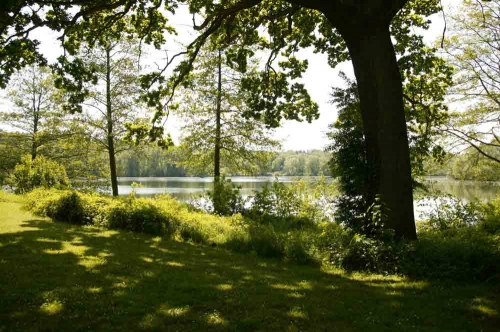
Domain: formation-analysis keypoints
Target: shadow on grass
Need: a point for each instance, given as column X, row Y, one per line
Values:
column 55, row 276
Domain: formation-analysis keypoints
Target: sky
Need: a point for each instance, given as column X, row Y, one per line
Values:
column 319, row 80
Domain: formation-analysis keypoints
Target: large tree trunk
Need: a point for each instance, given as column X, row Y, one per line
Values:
column 381, row 96
column 110, row 134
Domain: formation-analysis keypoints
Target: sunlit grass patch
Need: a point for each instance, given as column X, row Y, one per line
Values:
column 484, row 306
column 166, row 310
column 224, row 287
column 297, row 312
column 52, row 307
column 215, row 318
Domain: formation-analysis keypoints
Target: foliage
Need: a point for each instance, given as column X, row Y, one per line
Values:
column 293, row 206
column 472, row 165
column 41, row 172
column 447, row 212
column 35, row 110
column 213, row 109
column 12, row 147
column 300, row 163
column 226, row 198
column 348, row 161
column 163, row 215
column 137, row 216
column 471, row 46
column 148, row 160
column 463, row 254
column 491, row 220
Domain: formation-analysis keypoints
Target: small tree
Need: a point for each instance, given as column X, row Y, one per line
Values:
column 112, row 101
column 219, row 136
column 35, row 107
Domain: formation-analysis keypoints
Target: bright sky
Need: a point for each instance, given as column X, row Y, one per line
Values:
column 319, row 79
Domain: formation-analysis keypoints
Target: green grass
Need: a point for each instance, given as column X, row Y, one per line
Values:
column 58, row 277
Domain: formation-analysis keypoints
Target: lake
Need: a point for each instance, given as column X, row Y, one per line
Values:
column 184, row 188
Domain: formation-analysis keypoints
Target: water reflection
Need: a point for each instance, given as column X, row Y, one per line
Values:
column 466, row 190
column 184, row 188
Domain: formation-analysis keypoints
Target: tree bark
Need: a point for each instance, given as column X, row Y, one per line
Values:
column 110, row 134
column 36, row 119
column 34, row 143
column 381, row 96
column 218, row 119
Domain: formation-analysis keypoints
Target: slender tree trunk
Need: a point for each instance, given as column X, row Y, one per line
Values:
column 218, row 119
column 381, row 96
column 109, row 118
column 34, row 144
column 217, row 188
column 36, row 118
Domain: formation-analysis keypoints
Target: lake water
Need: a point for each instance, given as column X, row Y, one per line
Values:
column 184, row 188
column 466, row 190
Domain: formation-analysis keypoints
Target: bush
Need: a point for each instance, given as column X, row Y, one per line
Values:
column 463, row 252
column 164, row 215
column 68, row 208
column 138, row 215
column 449, row 212
column 226, row 198
column 467, row 254
column 40, row 172
column 491, row 219
column 293, row 207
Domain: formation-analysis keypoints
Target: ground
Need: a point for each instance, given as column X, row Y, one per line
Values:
column 58, row 277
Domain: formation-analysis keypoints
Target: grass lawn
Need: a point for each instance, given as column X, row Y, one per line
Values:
column 58, row 277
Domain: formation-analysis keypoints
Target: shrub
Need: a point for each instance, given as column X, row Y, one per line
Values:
column 298, row 249
column 294, row 206
column 226, row 198
column 265, row 242
column 467, row 254
column 41, row 201
column 448, row 212
column 40, row 172
column 138, row 215
column 491, row 219
column 68, row 208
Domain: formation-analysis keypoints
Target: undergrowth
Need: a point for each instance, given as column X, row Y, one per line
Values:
column 457, row 250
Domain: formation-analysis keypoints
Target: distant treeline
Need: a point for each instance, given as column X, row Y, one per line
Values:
column 151, row 161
